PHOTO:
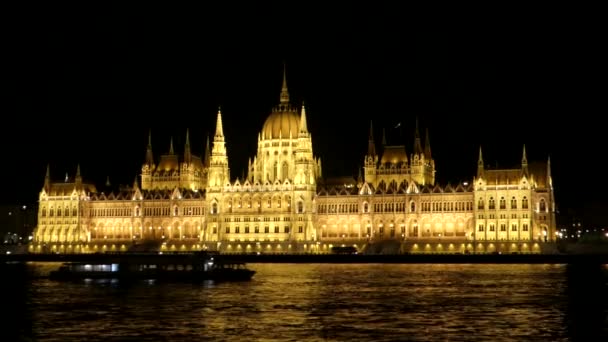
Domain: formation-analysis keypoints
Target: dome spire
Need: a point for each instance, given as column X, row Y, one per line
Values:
column 284, row 91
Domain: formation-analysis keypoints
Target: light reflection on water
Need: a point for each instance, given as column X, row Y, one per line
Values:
column 318, row 302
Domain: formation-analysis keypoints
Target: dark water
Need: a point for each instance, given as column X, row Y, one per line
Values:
column 318, row 302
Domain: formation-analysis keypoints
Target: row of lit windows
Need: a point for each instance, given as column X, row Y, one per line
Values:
column 503, row 227
column 256, row 230
column 503, row 203
column 446, row 206
column 59, row 212
column 50, row 221
column 501, row 216
column 215, row 208
column 338, row 208
column 248, row 202
column 256, row 219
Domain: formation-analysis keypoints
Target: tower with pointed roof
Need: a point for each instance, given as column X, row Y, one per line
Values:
column 219, row 172
column 422, row 165
column 371, row 158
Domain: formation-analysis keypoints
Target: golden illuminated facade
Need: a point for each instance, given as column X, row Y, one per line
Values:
column 283, row 205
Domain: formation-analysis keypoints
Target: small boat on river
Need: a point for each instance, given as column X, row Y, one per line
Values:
column 198, row 267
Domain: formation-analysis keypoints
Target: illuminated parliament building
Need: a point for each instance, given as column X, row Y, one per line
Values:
column 184, row 202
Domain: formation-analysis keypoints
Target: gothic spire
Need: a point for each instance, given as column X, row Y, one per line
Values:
column 524, row 161
column 187, row 152
column 371, row 146
column 149, row 155
column 78, row 178
column 219, row 129
column 171, row 151
column 417, row 143
column 303, row 126
column 47, row 177
column 549, row 178
column 480, row 164
column 207, row 151
column 284, row 91
column 383, row 136
column 427, row 145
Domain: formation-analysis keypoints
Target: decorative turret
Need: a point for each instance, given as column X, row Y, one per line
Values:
column 171, row 150
column 187, row 152
column 427, row 146
column 417, row 144
column 524, row 162
column 284, row 92
column 383, row 137
column 549, row 178
column 47, row 178
column 371, row 159
column 219, row 128
column 303, row 126
column 207, row 152
column 108, row 184
column 219, row 173
column 149, row 155
column 78, row 179
column 371, row 146
column 480, row 170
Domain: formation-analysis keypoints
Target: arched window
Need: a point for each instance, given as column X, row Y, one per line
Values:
column 275, row 172
column 43, row 212
column 66, row 212
column 513, row 203
column 480, row 204
column 524, row 203
column 279, row 202
column 269, row 202
column 366, row 207
column 412, row 206
column 58, row 212
column 300, row 207
column 175, row 210
column 214, row 208
column 137, row 211
column 74, row 212
column 503, row 203
column 542, row 205
column 491, row 203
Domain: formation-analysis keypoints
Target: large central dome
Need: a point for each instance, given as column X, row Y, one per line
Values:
column 280, row 123
column 284, row 118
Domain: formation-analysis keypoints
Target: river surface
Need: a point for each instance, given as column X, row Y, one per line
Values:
column 317, row 302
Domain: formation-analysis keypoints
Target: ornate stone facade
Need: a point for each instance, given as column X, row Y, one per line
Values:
column 283, row 205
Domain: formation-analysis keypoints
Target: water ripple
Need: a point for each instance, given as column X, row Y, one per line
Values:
column 318, row 302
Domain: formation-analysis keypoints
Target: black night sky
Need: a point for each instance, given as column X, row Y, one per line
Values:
column 85, row 86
